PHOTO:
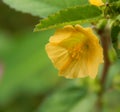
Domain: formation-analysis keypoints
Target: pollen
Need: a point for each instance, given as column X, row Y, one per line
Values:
column 79, row 51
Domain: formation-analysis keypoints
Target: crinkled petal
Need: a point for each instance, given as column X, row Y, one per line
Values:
column 93, row 69
column 94, row 60
column 77, row 69
column 88, row 32
column 58, row 55
column 62, row 34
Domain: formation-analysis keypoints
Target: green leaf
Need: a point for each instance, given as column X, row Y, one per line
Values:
column 115, row 34
column 118, row 18
column 113, row 9
column 115, row 6
column 104, row 1
column 110, row 1
column 43, row 8
column 115, row 30
column 63, row 100
column 72, row 15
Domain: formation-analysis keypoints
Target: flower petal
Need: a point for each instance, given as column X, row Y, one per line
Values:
column 58, row 55
column 88, row 32
column 94, row 60
column 77, row 69
column 62, row 34
column 96, row 2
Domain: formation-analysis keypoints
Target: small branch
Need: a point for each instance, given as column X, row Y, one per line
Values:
column 106, row 42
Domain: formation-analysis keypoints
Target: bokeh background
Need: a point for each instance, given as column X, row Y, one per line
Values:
column 26, row 74
column 28, row 80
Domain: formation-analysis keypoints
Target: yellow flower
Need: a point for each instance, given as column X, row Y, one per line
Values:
column 75, row 52
column 96, row 2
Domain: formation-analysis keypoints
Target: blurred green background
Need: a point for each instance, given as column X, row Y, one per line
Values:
column 26, row 74
column 28, row 80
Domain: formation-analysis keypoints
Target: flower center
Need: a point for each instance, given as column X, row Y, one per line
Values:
column 78, row 51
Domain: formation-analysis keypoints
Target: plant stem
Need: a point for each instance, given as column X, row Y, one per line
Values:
column 106, row 42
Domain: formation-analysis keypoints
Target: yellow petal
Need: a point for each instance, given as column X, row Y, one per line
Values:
column 62, row 34
column 88, row 32
column 77, row 69
column 94, row 60
column 96, row 2
column 58, row 55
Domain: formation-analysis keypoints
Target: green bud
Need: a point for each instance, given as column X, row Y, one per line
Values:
column 112, row 54
column 102, row 24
